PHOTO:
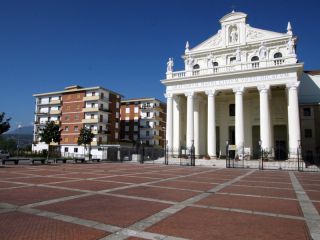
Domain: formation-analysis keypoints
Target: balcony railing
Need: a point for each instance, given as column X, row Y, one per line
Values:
column 42, row 102
column 232, row 68
column 158, row 127
column 55, row 112
column 105, row 110
column 91, row 98
column 90, row 109
column 90, row 120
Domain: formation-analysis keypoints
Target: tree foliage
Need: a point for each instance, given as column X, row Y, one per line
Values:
column 85, row 137
column 8, row 144
column 51, row 133
column 4, row 123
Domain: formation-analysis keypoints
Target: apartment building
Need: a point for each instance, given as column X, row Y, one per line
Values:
column 74, row 108
column 143, row 120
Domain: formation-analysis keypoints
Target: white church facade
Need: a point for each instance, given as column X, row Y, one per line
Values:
column 238, row 87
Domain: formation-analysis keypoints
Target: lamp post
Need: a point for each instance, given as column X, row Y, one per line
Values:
column 298, row 154
column 227, row 153
column 18, row 143
column 261, row 153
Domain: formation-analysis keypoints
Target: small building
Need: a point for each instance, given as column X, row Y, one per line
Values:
column 143, row 120
column 309, row 103
column 74, row 108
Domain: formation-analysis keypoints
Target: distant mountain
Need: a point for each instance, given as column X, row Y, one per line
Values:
column 27, row 130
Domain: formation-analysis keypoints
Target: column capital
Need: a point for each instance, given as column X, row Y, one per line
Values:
column 293, row 85
column 238, row 90
column 168, row 95
column 211, row 92
column 263, row 88
column 189, row 94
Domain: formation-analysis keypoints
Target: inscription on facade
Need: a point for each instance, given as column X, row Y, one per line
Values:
column 231, row 81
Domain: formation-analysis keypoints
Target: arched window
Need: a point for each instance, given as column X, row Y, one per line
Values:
column 195, row 67
column 277, row 55
column 255, row 59
column 278, row 58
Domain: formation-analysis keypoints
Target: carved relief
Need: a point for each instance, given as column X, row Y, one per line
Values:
column 215, row 41
column 254, row 35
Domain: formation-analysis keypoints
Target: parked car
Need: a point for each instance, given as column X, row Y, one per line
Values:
column 4, row 154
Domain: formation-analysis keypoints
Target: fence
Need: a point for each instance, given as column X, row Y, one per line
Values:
column 136, row 154
column 183, row 156
column 275, row 159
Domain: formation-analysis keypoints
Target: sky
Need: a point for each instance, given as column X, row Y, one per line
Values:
column 122, row 45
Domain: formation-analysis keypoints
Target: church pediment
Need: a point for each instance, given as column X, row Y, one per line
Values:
column 256, row 34
column 233, row 16
column 250, row 34
column 213, row 42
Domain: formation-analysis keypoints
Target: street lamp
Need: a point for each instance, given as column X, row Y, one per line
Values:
column 18, row 143
column 227, row 146
column 261, row 153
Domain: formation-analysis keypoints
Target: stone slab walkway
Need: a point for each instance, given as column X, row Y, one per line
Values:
column 133, row 201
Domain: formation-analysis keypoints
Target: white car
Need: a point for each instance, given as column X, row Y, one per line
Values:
column 4, row 154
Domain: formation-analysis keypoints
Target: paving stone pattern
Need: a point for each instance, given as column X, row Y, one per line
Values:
column 132, row 201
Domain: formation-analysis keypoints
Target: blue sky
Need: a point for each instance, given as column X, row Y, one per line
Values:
column 122, row 45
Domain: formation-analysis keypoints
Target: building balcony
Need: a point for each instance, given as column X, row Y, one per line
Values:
column 157, row 137
column 146, row 137
column 158, row 127
column 55, row 112
column 42, row 112
column 234, row 67
column 90, row 109
column 105, row 110
column 157, row 118
column 145, row 126
column 40, row 123
column 91, row 98
column 90, row 120
column 58, row 101
column 94, row 131
column 148, row 109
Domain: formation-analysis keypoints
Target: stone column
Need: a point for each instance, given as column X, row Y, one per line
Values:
column 293, row 118
column 265, row 126
column 239, row 122
column 190, row 130
column 196, row 122
column 211, row 140
column 176, row 124
column 169, row 126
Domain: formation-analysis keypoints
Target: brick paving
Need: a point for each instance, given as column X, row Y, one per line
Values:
column 132, row 201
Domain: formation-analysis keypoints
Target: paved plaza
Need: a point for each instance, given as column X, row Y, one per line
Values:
column 151, row 201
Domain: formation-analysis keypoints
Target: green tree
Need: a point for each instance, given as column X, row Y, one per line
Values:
column 8, row 144
column 85, row 138
column 51, row 133
column 4, row 123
